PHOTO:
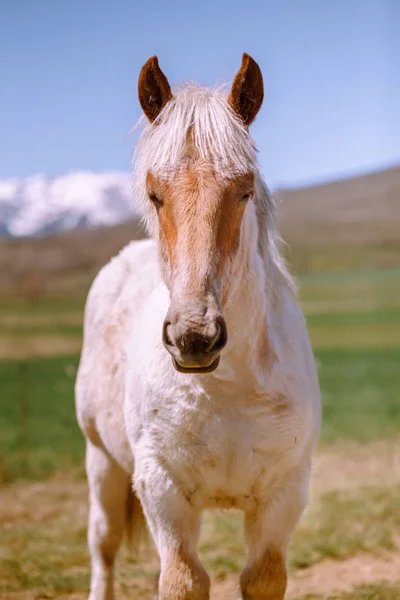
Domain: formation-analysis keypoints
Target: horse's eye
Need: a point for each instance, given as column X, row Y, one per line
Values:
column 155, row 200
column 246, row 197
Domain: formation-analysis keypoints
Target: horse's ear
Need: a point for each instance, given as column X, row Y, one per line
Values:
column 154, row 89
column 247, row 90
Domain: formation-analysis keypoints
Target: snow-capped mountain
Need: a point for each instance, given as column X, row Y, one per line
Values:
column 39, row 206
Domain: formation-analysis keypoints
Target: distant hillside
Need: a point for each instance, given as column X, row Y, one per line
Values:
column 324, row 224
column 364, row 209
column 60, row 264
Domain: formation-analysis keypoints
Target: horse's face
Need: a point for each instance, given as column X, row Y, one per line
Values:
column 199, row 217
column 199, row 213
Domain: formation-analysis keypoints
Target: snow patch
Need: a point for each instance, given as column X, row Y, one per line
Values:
column 38, row 205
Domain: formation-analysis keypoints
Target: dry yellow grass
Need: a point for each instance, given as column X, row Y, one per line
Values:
column 43, row 529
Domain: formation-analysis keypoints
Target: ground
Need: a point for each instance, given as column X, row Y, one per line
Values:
column 345, row 547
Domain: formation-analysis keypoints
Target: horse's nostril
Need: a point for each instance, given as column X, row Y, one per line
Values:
column 166, row 338
column 213, row 342
column 220, row 337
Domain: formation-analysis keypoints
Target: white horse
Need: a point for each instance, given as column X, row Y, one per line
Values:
column 197, row 386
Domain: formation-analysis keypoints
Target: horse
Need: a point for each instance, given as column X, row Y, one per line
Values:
column 197, row 386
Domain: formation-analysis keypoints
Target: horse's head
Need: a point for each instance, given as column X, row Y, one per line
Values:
column 197, row 163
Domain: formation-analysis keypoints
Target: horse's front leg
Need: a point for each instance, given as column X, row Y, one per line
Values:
column 174, row 523
column 268, row 528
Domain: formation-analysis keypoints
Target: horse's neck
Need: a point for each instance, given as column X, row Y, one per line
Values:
column 255, row 285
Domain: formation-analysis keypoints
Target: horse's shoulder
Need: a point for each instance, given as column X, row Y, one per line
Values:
column 127, row 262
column 115, row 275
column 111, row 298
column 108, row 312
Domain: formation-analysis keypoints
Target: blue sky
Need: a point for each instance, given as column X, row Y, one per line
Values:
column 331, row 71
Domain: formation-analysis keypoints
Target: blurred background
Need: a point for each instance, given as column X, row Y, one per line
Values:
column 329, row 144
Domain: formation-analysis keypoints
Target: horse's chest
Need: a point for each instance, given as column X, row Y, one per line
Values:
column 229, row 463
column 225, row 458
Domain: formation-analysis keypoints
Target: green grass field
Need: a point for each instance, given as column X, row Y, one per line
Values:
column 360, row 392
column 354, row 324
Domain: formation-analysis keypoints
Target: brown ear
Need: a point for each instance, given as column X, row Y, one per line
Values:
column 154, row 89
column 247, row 91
